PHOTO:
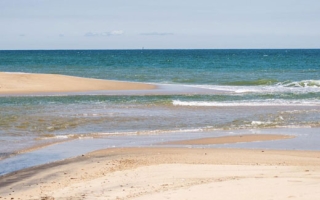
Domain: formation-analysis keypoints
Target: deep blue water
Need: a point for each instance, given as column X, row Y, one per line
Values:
column 222, row 67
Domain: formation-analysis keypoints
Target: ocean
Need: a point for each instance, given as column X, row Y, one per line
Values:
column 228, row 90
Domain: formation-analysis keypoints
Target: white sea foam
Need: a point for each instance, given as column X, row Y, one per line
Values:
column 62, row 136
column 257, row 123
column 304, row 86
column 154, row 132
column 246, row 103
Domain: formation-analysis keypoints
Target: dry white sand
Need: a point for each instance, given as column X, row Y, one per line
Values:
column 172, row 173
column 20, row 83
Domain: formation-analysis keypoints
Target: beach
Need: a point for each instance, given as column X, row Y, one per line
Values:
column 160, row 124
column 159, row 100
column 171, row 173
column 164, row 172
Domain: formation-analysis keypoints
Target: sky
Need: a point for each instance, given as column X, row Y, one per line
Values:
column 159, row 24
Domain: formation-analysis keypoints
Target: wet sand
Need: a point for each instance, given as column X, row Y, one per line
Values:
column 176, row 173
column 21, row 83
column 231, row 139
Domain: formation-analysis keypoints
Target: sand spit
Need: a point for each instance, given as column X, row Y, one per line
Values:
column 23, row 83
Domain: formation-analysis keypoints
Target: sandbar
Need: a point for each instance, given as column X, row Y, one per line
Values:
column 231, row 139
column 25, row 83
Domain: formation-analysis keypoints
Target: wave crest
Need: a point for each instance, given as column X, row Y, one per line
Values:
column 296, row 87
column 274, row 82
column 303, row 83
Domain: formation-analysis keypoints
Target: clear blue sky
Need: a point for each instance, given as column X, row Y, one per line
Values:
column 161, row 24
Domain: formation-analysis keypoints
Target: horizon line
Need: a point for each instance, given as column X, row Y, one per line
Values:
column 143, row 49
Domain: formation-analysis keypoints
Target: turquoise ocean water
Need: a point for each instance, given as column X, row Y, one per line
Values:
column 240, row 89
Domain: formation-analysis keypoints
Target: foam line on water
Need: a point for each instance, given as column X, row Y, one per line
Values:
column 298, row 87
column 247, row 103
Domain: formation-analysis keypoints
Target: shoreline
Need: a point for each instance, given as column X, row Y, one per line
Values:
column 60, row 149
column 199, row 141
column 34, row 147
column 31, row 83
column 121, row 173
column 41, row 148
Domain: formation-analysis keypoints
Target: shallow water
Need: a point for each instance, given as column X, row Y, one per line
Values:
column 37, row 119
column 201, row 91
column 305, row 139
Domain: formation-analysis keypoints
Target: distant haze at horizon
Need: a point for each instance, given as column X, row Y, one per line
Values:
column 123, row 24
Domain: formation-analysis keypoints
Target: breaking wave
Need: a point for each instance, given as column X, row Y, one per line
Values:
column 270, row 102
column 266, row 86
